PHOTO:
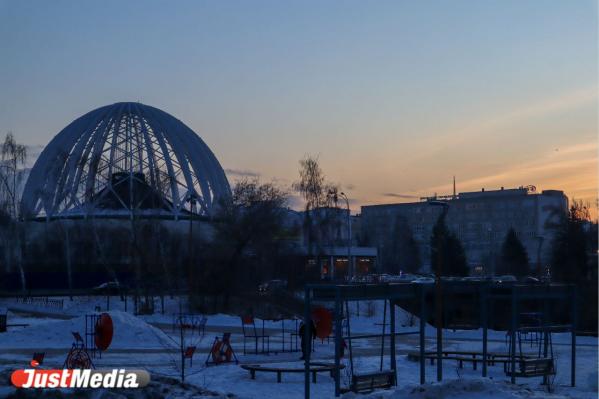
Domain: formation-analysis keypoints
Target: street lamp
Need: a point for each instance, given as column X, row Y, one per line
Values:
column 349, row 262
column 438, row 291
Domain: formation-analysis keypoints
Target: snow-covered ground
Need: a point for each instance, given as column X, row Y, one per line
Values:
column 150, row 342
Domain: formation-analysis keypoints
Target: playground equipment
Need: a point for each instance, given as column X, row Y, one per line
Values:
column 103, row 332
column 323, row 321
column 38, row 359
column 4, row 323
column 543, row 364
column 367, row 382
column 483, row 305
column 248, row 327
column 78, row 357
column 221, row 351
column 190, row 321
column 189, row 340
column 98, row 333
column 188, row 354
column 314, row 368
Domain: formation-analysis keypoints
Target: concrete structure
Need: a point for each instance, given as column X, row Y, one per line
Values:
column 480, row 220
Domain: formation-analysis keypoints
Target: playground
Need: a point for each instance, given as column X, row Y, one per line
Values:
column 381, row 348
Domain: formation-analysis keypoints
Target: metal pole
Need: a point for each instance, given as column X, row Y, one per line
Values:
column 182, row 349
column 439, row 292
column 307, row 339
column 513, row 337
column 338, row 335
column 484, row 310
column 383, row 336
column 422, row 326
column 573, row 343
column 349, row 343
column 392, row 320
column 439, row 303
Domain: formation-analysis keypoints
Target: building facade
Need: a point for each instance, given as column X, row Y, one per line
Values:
column 324, row 244
column 479, row 219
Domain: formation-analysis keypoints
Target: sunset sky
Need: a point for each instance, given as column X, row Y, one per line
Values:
column 394, row 97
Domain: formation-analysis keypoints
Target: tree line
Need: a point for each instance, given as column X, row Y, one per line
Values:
column 250, row 239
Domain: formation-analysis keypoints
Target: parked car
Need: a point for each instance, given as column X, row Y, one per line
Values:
column 424, row 280
column 271, row 286
column 505, row 279
column 474, row 278
column 111, row 287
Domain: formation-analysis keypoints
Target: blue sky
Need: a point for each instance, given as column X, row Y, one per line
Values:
column 394, row 97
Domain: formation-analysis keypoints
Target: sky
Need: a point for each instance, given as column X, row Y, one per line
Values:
column 393, row 97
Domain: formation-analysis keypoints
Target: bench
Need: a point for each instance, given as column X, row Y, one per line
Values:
column 540, row 367
column 314, row 368
column 368, row 382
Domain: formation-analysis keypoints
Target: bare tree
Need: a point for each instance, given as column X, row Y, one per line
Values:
column 321, row 217
column 248, row 226
column 13, row 155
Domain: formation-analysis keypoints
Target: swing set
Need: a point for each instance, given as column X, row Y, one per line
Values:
column 489, row 306
column 342, row 295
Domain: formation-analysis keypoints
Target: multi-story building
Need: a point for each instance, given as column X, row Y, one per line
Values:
column 479, row 219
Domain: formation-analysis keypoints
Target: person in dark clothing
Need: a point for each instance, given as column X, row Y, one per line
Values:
column 305, row 346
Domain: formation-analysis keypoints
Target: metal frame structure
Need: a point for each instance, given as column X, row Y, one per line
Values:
column 489, row 294
column 124, row 144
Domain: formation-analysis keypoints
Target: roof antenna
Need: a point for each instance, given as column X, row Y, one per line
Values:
column 454, row 196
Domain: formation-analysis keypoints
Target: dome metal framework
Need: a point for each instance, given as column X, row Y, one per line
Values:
column 125, row 160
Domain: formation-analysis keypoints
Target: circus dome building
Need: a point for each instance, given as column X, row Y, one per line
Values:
column 121, row 161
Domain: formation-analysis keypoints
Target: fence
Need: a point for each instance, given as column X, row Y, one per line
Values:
column 42, row 301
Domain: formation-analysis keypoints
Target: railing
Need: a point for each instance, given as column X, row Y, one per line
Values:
column 42, row 301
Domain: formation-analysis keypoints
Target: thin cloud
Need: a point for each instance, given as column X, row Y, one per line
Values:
column 242, row 173
column 456, row 137
column 404, row 196
column 572, row 168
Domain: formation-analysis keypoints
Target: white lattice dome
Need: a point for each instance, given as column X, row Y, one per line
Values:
column 123, row 160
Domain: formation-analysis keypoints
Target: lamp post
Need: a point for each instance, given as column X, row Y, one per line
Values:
column 438, row 290
column 349, row 262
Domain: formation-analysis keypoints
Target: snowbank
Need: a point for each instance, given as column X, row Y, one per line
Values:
column 460, row 389
column 129, row 332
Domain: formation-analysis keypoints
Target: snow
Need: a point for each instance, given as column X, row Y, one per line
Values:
column 128, row 331
column 460, row 389
column 149, row 342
